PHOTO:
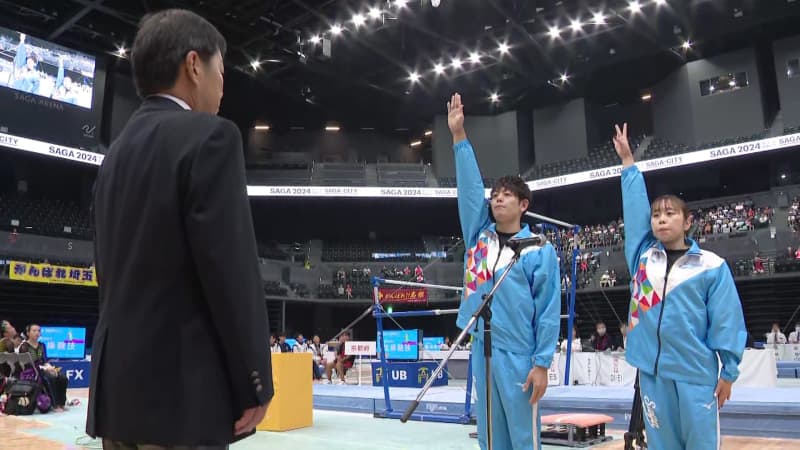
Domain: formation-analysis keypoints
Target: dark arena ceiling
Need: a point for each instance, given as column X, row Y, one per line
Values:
column 527, row 52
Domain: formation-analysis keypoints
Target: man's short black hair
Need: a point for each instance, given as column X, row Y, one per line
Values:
column 162, row 42
column 513, row 184
column 282, row 334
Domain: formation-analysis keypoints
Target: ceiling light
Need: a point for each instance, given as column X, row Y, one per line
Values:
column 495, row 97
column 576, row 25
column 429, row 133
column 503, row 48
column 456, row 63
column 254, row 64
column 554, row 32
column 438, row 69
column 315, row 39
column 687, row 44
column 598, row 18
column 564, row 77
column 374, row 13
column 413, row 77
column 400, row 4
column 122, row 51
column 635, row 7
column 660, row 2
column 732, row 83
column 359, row 20
column 332, row 128
column 783, row 176
column 416, row 143
column 261, row 127
column 475, row 58
column 336, row 30
column 646, row 97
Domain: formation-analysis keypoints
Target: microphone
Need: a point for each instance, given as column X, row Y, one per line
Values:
column 522, row 243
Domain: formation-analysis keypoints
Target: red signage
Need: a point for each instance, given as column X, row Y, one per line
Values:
column 393, row 295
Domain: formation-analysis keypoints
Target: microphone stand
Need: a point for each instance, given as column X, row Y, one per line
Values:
column 484, row 311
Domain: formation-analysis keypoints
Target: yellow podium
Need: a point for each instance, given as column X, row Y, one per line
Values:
column 292, row 405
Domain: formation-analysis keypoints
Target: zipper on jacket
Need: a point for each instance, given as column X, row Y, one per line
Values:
column 661, row 316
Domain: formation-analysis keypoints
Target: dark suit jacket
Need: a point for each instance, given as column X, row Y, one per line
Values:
column 181, row 346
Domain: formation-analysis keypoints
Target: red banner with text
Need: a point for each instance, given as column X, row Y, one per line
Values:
column 403, row 295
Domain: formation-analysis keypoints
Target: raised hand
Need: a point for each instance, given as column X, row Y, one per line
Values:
column 622, row 146
column 455, row 118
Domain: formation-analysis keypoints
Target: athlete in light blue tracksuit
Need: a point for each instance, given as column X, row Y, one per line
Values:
column 684, row 313
column 525, row 309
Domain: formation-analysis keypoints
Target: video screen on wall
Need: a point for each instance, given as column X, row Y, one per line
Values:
column 39, row 67
column 64, row 342
column 48, row 93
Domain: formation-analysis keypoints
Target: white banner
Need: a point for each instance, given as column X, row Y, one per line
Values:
column 45, row 148
column 700, row 156
column 360, row 348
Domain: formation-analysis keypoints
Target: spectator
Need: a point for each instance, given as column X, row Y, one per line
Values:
column 418, row 273
column 318, row 356
column 605, row 279
column 758, row 264
column 342, row 362
column 601, row 341
column 273, row 344
column 301, row 346
column 283, row 344
column 775, row 336
column 7, row 333
column 612, row 277
column 17, row 340
column 794, row 336
column 54, row 381
column 349, row 291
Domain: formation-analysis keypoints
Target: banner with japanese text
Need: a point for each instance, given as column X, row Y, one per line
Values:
column 47, row 273
column 403, row 295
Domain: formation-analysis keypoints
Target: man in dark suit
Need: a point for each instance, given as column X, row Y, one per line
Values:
column 180, row 356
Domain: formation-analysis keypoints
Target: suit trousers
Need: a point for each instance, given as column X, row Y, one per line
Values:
column 108, row 444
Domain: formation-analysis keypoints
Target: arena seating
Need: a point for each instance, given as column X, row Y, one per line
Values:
column 450, row 182
column 297, row 176
column 47, row 217
column 598, row 157
column 275, row 288
column 403, row 175
column 363, row 251
column 339, row 174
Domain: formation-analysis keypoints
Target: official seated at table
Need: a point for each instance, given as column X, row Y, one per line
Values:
column 776, row 336
column 623, row 338
column 794, row 336
column 576, row 341
column 602, row 341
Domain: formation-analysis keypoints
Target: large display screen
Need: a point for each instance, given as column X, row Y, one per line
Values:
column 38, row 67
column 402, row 344
column 51, row 97
column 432, row 344
column 64, row 342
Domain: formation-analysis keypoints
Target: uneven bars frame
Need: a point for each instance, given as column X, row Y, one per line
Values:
column 573, row 281
column 379, row 314
column 551, row 220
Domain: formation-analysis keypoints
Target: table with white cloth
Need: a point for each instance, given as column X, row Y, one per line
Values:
column 757, row 369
